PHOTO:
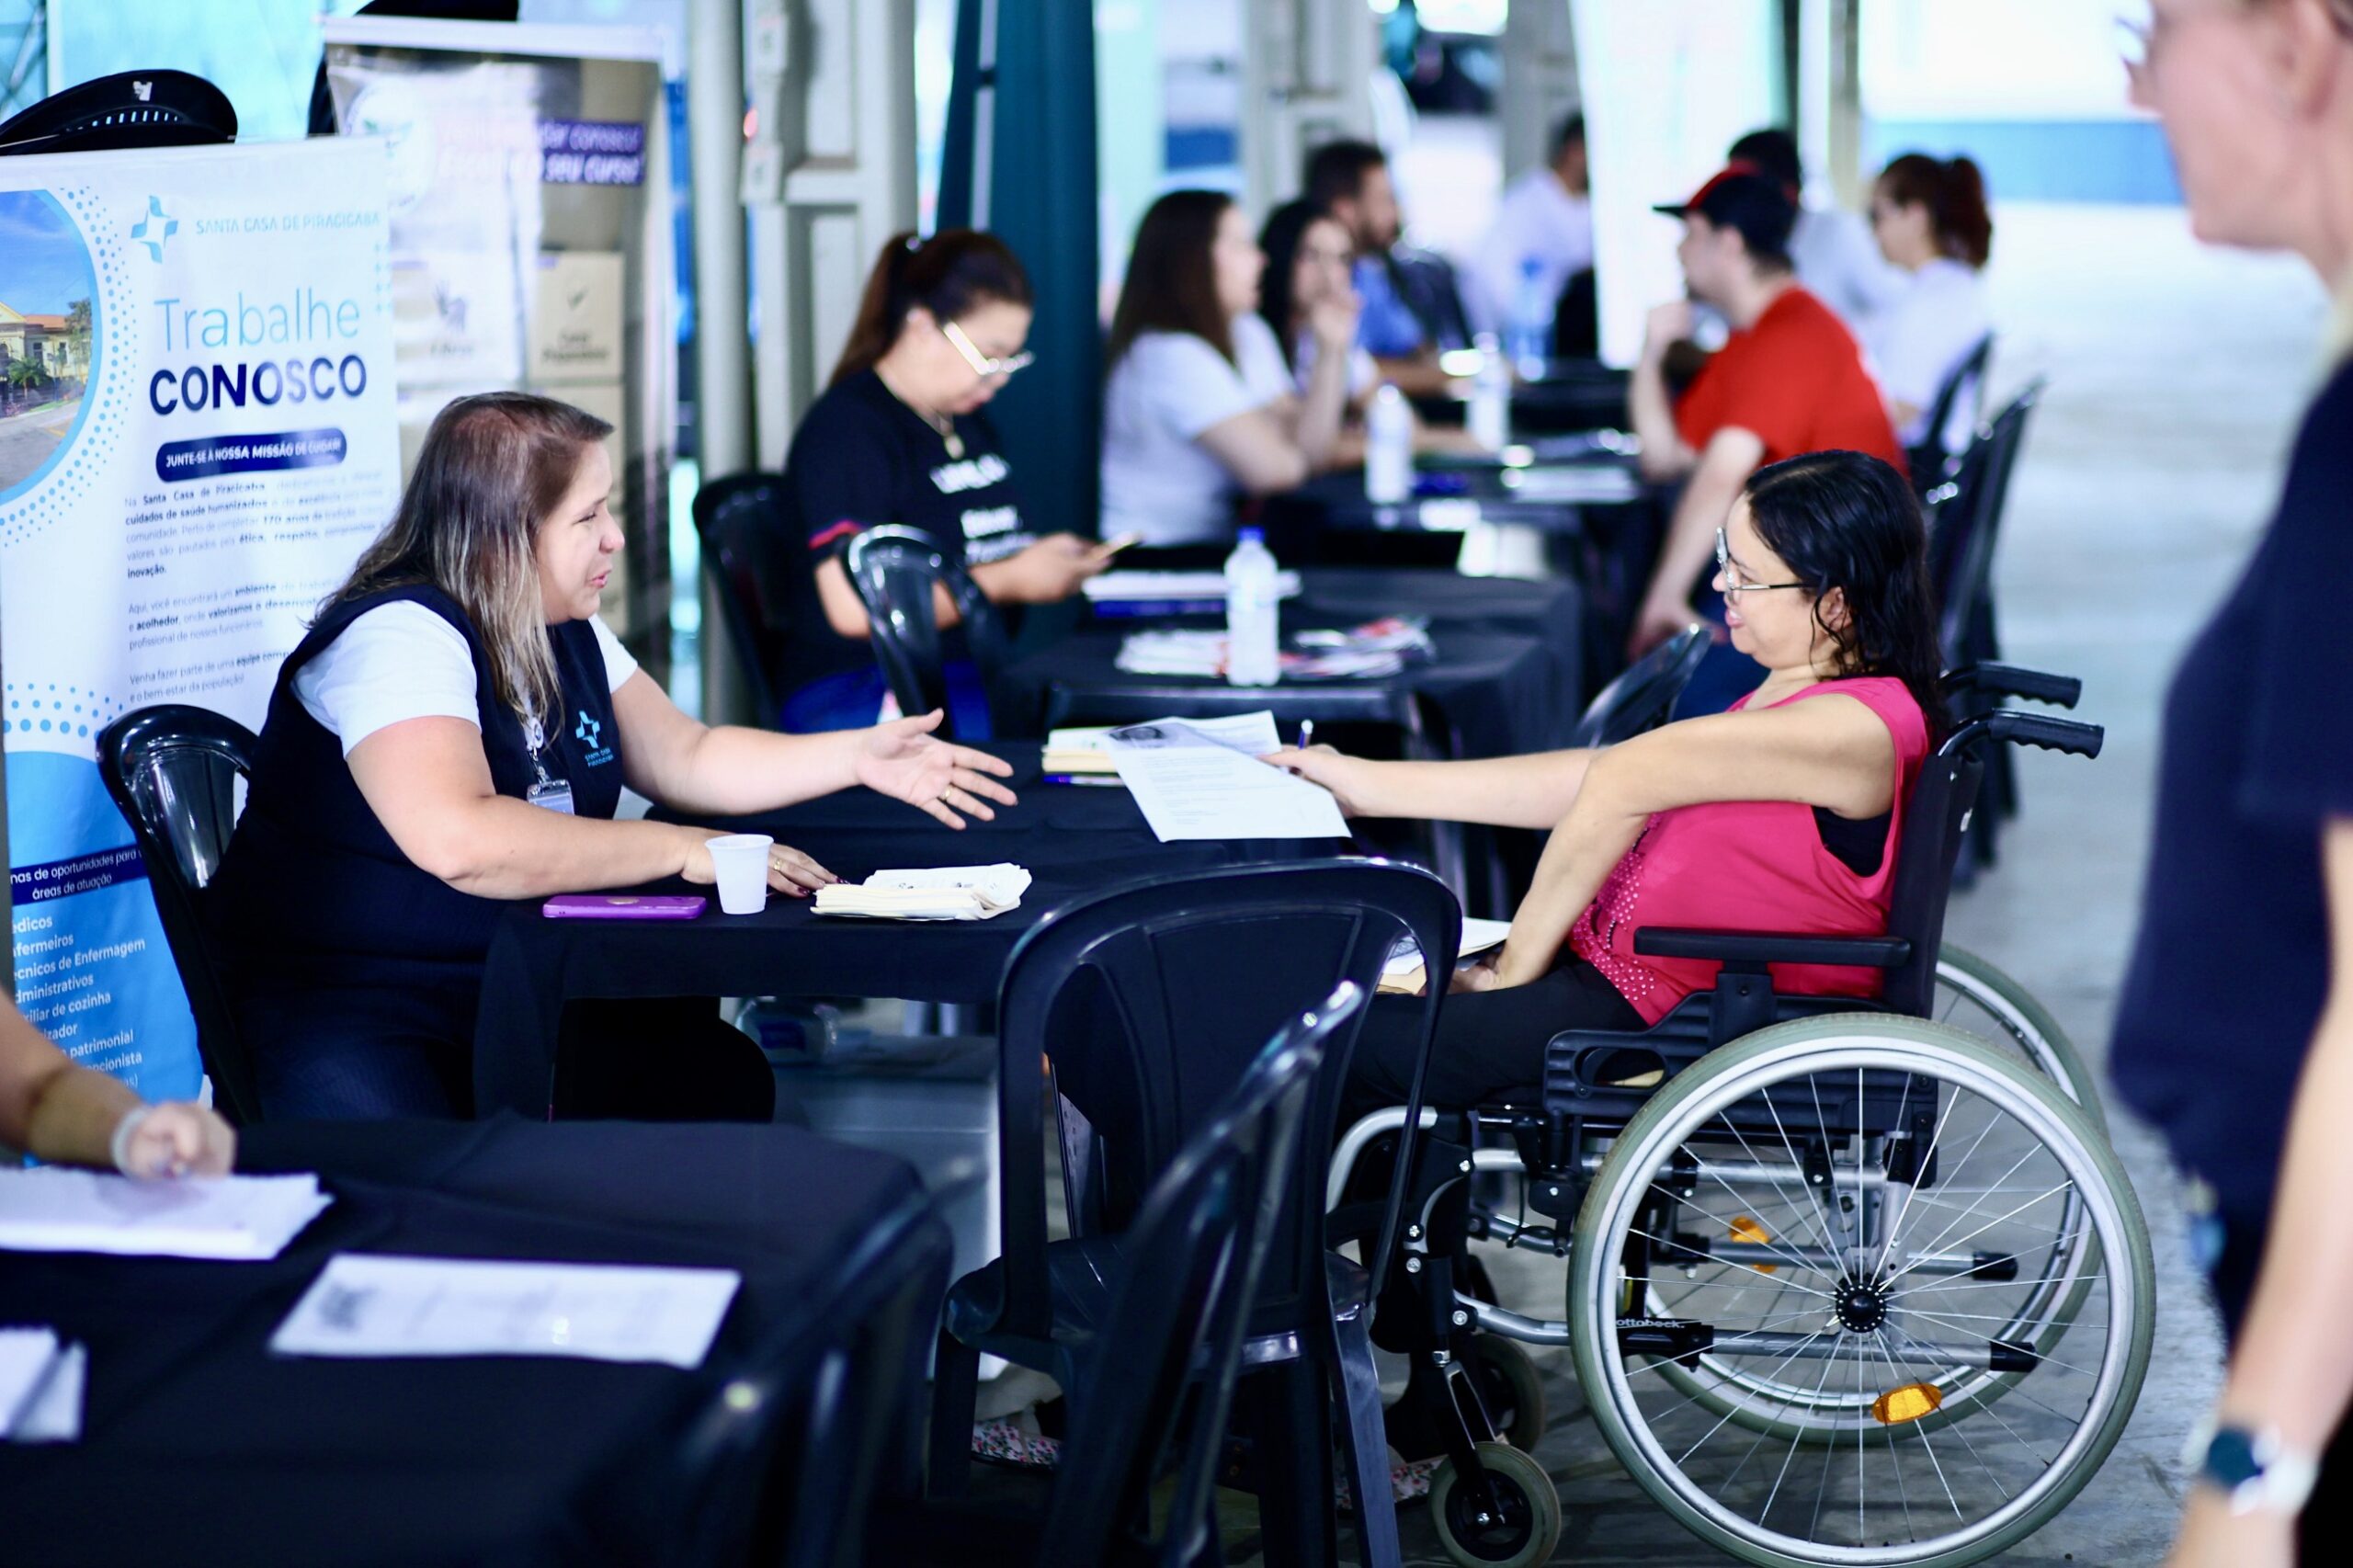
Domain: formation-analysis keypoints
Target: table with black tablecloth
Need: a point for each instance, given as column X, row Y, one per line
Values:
column 1493, row 692
column 199, row 1446
column 1074, row 839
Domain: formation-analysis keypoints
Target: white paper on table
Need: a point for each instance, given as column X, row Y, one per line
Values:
column 238, row 1217
column 1202, row 779
column 1478, row 936
column 26, row 1354
column 1173, row 586
column 54, row 1411
column 366, row 1304
column 939, row 892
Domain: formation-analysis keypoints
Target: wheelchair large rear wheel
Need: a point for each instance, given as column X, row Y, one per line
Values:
column 1859, row 1426
column 1976, row 996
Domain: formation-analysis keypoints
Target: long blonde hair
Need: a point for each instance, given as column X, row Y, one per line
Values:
column 492, row 466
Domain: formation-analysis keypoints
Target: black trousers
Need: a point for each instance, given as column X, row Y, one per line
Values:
column 1490, row 1044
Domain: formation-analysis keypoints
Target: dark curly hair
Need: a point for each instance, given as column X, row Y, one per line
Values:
column 1848, row 520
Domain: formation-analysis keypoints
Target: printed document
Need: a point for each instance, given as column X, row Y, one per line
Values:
column 1202, row 779
column 246, row 1218
column 366, row 1304
column 1403, row 973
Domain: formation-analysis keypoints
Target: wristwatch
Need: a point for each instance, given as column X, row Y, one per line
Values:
column 2254, row 1471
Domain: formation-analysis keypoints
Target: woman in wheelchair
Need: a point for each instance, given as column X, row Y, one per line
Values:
column 1782, row 815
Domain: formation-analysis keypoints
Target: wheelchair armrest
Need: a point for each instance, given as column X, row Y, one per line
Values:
column 2009, row 680
column 1753, row 948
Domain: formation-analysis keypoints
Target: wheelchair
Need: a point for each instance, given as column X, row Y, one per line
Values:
column 1847, row 1281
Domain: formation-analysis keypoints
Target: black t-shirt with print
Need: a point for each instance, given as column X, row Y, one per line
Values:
column 860, row 458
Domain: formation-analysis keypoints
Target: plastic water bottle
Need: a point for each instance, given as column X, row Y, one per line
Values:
column 1489, row 416
column 1252, row 654
column 1388, row 448
column 1530, row 327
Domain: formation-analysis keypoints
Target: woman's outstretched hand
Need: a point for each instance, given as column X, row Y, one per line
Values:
column 1341, row 774
column 904, row 760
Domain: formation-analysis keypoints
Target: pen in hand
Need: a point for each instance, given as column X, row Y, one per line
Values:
column 1306, row 733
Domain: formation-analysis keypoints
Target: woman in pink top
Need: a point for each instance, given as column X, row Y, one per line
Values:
column 1782, row 814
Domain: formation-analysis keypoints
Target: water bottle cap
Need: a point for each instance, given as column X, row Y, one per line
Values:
column 1530, row 266
column 1250, row 535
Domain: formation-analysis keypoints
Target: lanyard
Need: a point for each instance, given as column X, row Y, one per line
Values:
column 555, row 794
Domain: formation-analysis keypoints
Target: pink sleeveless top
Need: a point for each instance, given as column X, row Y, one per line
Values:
column 1751, row 865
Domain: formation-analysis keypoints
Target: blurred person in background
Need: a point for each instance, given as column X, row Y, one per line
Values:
column 1545, row 224
column 1201, row 406
column 1930, row 219
column 1830, row 247
column 1412, row 306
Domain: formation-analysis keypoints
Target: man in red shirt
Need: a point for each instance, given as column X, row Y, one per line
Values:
column 1790, row 379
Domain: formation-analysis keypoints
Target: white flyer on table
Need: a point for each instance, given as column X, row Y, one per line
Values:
column 1202, row 779
column 366, row 1304
column 245, row 1217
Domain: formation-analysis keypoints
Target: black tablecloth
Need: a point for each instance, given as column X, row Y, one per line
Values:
column 1074, row 839
column 1498, row 692
column 199, row 1447
column 1449, row 498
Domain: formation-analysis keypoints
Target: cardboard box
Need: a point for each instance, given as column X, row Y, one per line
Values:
column 576, row 317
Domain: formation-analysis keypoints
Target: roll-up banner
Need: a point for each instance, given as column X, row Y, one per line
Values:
column 531, row 246
column 198, row 437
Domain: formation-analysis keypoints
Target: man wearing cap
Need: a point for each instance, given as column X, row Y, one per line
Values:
column 1790, row 380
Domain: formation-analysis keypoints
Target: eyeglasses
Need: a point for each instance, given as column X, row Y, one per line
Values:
column 982, row 366
column 1734, row 586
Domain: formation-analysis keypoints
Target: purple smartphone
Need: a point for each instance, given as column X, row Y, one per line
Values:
column 623, row 906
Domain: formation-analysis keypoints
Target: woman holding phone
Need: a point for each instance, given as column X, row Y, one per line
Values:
column 454, row 732
column 901, row 436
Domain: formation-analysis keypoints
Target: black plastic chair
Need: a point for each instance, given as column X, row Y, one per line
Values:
column 785, row 1462
column 1149, row 1000
column 1964, row 528
column 740, row 520
column 173, row 771
column 1644, row 693
column 129, row 109
column 1931, row 461
column 895, row 571
column 1161, row 1363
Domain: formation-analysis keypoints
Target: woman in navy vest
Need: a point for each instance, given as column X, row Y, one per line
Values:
column 455, row 731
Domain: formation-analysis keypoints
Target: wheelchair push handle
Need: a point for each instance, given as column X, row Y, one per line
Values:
column 2011, row 680
column 2070, row 735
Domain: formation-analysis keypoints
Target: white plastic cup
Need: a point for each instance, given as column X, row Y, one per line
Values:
column 742, row 861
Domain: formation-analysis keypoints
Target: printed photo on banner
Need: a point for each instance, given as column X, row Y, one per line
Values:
column 47, row 290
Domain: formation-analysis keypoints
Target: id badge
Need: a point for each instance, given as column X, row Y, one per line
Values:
column 555, row 794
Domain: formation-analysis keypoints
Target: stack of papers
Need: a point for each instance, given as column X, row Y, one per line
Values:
column 1571, row 484
column 1374, row 650
column 944, row 892
column 369, row 1305
column 1202, row 779
column 1078, row 754
column 1170, row 593
column 41, row 1386
column 237, row 1218
column 1403, row 973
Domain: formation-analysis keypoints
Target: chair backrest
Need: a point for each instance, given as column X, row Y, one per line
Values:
column 1965, row 519
column 1644, row 693
column 894, row 570
column 173, row 771
column 740, row 519
column 1935, row 817
column 1962, row 388
column 132, row 109
column 1152, row 1000
column 1180, row 1309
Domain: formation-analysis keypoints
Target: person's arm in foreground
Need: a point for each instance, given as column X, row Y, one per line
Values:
column 70, row 1116
column 2292, row 1373
column 1827, row 751
column 1733, row 454
column 1535, row 791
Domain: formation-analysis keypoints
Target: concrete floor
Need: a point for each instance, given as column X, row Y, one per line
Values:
column 2176, row 373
